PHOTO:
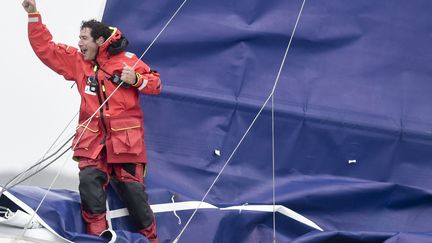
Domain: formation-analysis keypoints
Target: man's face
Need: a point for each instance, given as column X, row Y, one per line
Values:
column 88, row 46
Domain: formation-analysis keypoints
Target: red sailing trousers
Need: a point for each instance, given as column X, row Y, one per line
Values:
column 95, row 175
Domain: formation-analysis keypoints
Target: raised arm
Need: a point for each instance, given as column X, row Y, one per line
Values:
column 59, row 57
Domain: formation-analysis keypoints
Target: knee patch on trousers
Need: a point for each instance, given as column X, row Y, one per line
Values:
column 92, row 190
column 136, row 200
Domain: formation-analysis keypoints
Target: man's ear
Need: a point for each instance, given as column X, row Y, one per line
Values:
column 100, row 41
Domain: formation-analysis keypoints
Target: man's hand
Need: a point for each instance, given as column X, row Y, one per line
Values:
column 29, row 6
column 128, row 74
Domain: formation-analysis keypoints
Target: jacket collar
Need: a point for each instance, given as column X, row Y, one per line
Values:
column 103, row 53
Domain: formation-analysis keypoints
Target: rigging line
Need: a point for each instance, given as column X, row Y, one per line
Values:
column 273, row 170
column 22, row 174
column 37, row 171
column 288, row 47
column 48, row 190
column 160, row 32
column 61, row 133
column 46, row 193
column 249, row 128
column 58, row 137
column 44, row 158
column 6, row 212
column 273, row 128
column 221, row 171
column 223, row 168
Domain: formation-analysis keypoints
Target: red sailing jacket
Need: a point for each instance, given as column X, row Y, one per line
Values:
column 119, row 124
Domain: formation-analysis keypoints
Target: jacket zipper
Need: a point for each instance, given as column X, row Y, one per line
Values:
column 101, row 109
column 104, row 94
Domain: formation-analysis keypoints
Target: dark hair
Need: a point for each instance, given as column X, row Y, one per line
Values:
column 98, row 29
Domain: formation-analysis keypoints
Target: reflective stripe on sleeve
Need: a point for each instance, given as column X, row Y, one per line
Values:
column 33, row 19
column 129, row 54
column 145, row 81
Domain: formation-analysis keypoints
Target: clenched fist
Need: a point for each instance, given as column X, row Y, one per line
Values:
column 128, row 74
column 29, row 6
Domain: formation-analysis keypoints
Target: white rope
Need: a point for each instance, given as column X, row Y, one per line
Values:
column 6, row 212
column 273, row 172
column 174, row 210
column 273, row 128
column 55, row 143
column 248, row 129
column 27, row 171
column 108, row 215
column 61, row 133
column 45, row 195
column 160, row 32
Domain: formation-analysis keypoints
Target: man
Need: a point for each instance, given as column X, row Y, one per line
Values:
column 111, row 144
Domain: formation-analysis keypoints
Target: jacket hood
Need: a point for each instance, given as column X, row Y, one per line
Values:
column 115, row 44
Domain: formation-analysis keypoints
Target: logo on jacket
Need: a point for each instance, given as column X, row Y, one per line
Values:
column 91, row 86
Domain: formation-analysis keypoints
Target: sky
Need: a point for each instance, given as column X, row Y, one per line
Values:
column 36, row 104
